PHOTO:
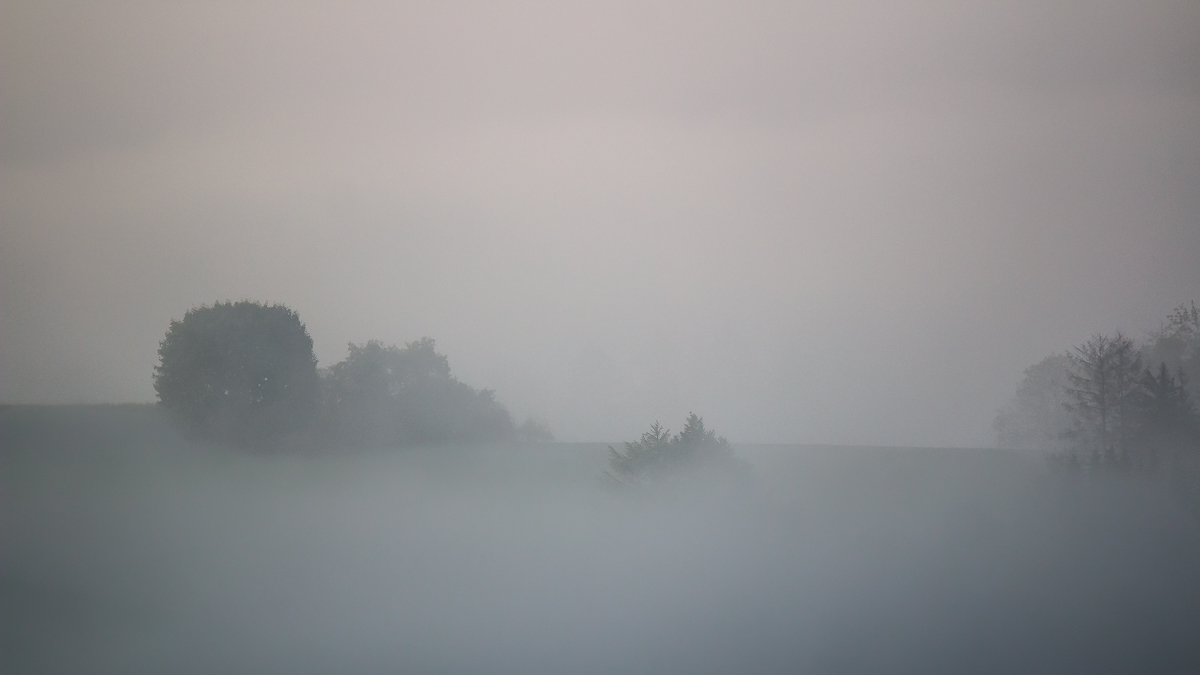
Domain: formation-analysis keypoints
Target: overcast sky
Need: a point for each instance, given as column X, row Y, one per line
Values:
column 844, row 222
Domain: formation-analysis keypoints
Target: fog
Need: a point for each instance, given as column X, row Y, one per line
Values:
column 781, row 214
column 839, row 232
column 128, row 549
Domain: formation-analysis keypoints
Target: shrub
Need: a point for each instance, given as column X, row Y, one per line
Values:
column 658, row 457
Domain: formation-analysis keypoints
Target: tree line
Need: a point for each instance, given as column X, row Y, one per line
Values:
column 244, row 373
column 1111, row 401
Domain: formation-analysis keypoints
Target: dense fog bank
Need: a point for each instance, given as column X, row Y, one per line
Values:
column 127, row 549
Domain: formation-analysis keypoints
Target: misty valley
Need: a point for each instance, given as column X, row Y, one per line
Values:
column 612, row 338
column 131, row 549
column 380, row 516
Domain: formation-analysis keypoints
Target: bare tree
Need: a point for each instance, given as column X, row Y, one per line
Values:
column 1105, row 373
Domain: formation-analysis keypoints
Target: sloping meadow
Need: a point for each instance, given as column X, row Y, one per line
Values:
column 126, row 548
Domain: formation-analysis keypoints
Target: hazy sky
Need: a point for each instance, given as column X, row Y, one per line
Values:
column 846, row 222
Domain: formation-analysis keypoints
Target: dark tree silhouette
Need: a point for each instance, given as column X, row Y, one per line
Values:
column 1166, row 417
column 241, row 372
column 658, row 457
column 1105, row 373
column 1177, row 343
column 1114, row 412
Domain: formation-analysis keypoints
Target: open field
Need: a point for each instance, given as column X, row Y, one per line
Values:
column 129, row 549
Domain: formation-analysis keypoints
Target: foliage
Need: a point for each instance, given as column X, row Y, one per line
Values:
column 241, row 372
column 1120, row 413
column 1037, row 416
column 658, row 457
column 534, row 430
column 1177, row 344
column 245, row 373
column 1167, row 418
column 398, row 396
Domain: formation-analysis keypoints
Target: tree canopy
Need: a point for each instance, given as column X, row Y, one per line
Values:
column 239, row 371
column 406, row 395
column 244, row 372
column 1177, row 344
column 1037, row 416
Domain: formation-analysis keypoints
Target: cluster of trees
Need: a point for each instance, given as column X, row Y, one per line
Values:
column 406, row 395
column 245, row 373
column 1112, row 401
column 659, row 458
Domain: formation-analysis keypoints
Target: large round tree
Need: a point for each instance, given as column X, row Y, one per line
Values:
column 239, row 371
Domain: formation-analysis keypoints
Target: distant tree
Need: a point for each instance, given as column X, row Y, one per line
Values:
column 239, row 371
column 1098, row 402
column 658, row 457
column 400, row 396
column 1105, row 381
column 1177, row 344
column 1166, row 417
column 645, row 460
column 534, row 431
column 1037, row 418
